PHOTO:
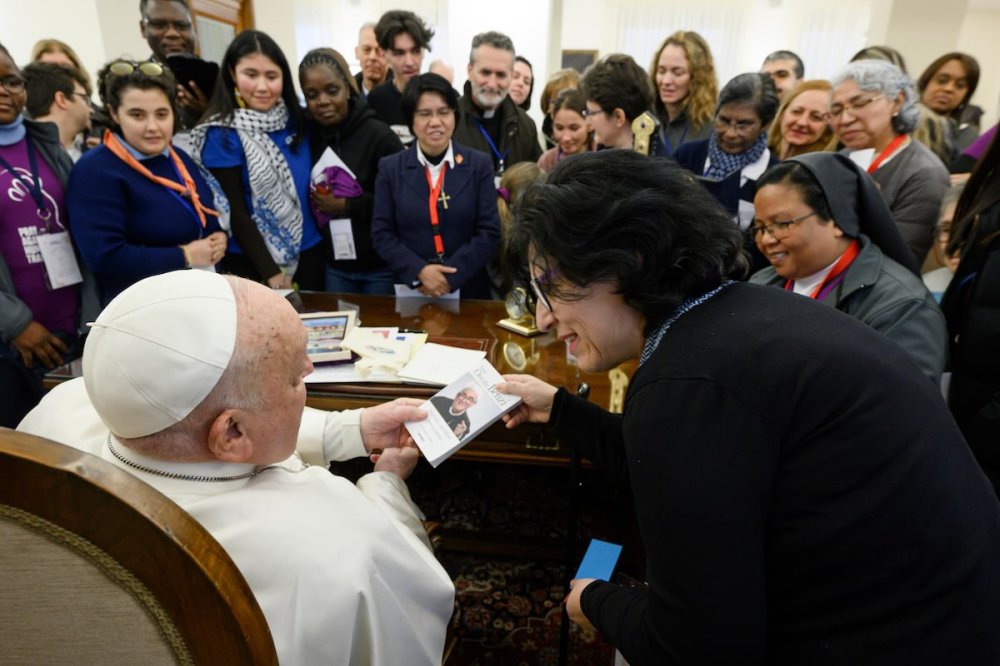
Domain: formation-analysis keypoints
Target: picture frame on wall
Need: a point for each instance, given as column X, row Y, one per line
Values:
column 578, row 59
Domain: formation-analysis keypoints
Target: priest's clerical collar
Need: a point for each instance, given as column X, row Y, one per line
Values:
column 204, row 472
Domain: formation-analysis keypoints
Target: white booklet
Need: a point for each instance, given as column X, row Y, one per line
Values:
column 440, row 365
column 460, row 411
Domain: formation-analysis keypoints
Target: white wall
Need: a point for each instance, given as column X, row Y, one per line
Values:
column 100, row 30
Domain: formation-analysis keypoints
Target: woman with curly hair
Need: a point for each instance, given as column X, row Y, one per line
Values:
column 683, row 74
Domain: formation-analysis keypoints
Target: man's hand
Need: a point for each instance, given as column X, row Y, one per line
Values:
column 573, row 608
column 536, row 396
column 401, row 461
column 35, row 341
column 382, row 425
column 433, row 281
column 193, row 99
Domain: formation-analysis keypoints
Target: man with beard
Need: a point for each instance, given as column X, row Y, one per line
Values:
column 374, row 70
column 403, row 36
column 488, row 120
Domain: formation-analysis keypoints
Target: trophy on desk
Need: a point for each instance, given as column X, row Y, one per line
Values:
column 519, row 318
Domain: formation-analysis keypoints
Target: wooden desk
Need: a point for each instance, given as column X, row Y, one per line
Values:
column 544, row 357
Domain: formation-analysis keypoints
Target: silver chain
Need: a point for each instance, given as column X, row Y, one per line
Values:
column 184, row 477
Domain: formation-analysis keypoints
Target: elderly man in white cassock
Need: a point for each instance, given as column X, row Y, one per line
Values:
column 193, row 382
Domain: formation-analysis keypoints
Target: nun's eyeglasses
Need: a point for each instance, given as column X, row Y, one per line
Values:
column 778, row 229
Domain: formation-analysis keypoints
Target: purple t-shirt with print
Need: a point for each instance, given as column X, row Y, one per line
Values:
column 55, row 309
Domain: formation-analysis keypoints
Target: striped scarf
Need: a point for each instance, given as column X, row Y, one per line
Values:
column 275, row 206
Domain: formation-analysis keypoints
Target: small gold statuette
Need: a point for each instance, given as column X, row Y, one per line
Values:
column 642, row 129
column 519, row 318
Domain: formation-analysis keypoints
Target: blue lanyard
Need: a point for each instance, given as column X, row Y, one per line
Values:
column 493, row 147
column 33, row 185
column 665, row 137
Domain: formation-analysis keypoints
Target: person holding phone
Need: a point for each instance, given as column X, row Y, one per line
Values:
column 168, row 28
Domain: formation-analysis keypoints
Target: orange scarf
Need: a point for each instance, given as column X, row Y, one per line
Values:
column 188, row 190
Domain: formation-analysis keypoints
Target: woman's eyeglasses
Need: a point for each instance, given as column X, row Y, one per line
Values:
column 853, row 106
column 539, row 289
column 739, row 126
column 12, row 84
column 126, row 67
column 778, row 229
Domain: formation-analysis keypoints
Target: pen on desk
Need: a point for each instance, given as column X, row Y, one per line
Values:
column 411, row 330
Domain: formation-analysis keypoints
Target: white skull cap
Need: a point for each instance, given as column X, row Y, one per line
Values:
column 158, row 349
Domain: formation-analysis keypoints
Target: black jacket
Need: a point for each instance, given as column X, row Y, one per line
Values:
column 361, row 141
column 518, row 134
column 803, row 495
column 972, row 309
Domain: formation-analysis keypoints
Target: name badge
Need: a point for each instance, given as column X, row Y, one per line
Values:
column 60, row 261
column 342, row 238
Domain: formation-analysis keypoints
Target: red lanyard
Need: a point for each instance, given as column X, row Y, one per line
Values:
column 432, row 205
column 831, row 278
column 884, row 155
column 188, row 190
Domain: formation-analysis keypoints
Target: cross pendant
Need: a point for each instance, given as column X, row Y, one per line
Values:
column 443, row 199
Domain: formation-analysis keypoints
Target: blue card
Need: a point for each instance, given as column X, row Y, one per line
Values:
column 599, row 560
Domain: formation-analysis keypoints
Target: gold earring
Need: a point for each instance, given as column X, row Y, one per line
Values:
column 239, row 98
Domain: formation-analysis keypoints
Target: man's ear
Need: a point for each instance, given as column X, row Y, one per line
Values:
column 59, row 99
column 228, row 439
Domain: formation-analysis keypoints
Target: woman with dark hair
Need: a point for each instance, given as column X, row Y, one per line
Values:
column 802, row 493
column 522, row 82
column 972, row 309
column 345, row 131
column 873, row 110
column 736, row 154
column 140, row 206
column 829, row 236
column 436, row 222
column 946, row 87
column 252, row 138
column 38, row 320
column 683, row 74
column 570, row 129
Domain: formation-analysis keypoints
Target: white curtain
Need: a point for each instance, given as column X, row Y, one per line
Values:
column 740, row 33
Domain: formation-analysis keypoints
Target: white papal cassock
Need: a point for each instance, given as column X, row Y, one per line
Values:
column 343, row 573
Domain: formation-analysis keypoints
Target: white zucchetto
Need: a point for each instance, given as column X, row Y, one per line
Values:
column 158, row 349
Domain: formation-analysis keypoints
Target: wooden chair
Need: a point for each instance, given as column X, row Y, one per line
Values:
column 98, row 567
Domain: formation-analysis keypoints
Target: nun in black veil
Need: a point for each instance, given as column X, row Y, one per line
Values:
column 828, row 235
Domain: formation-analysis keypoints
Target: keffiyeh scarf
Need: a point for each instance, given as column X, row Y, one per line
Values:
column 721, row 163
column 275, row 206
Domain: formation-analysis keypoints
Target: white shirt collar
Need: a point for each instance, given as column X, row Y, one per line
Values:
column 435, row 169
column 141, row 156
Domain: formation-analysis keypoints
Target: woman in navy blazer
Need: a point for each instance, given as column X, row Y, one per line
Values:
column 436, row 250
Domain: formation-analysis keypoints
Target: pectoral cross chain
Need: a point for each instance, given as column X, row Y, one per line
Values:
column 443, row 200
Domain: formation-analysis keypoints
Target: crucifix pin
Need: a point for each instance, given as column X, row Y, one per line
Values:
column 443, row 200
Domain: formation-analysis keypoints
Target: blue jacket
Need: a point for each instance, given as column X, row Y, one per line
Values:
column 470, row 226
column 126, row 226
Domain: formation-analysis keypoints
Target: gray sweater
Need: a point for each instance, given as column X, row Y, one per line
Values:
column 913, row 184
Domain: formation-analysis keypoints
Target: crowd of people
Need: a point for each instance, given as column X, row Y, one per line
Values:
column 865, row 193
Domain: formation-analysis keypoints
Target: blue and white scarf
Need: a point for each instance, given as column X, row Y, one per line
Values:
column 653, row 341
column 275, row 206
column 721, row 163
